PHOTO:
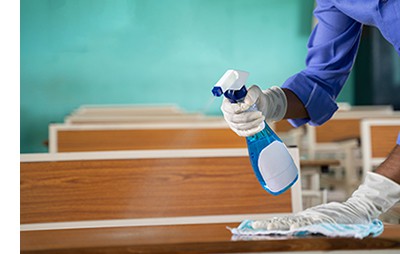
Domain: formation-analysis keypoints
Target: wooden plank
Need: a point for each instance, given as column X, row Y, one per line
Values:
column 118, row 119
column 383, row 140
column 142, row 188
column 144, row 139
column 338, row 129
column 282, row 126
column 204, row 238
column 127, row 110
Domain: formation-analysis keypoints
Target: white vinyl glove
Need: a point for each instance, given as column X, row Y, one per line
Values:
column 375, row 196
column 271, row 105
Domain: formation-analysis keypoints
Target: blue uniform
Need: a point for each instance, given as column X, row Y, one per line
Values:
column 332, row 48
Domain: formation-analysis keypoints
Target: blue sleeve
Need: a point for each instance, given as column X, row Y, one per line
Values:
column 332, row 48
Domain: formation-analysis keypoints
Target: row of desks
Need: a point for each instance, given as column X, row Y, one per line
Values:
column 166, row 238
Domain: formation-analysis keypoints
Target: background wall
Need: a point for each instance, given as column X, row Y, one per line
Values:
column 76, row 52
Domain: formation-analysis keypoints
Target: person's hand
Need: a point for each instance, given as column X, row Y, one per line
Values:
column 375, row 196
column 271, row 106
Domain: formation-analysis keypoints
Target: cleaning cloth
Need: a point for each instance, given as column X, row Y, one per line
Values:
column 360, row 231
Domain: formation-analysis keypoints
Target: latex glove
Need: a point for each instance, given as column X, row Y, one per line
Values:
column 271, row 106
column 375, row 196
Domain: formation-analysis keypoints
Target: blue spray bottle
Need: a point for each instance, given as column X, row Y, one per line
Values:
column 269, row 157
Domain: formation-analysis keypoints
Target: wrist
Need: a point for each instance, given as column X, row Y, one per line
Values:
column 276, row 105
column 295, row 107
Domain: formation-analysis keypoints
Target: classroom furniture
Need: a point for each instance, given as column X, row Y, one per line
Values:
column 118, row 119
column 141, row 187
column 114, row 137
column 135, row 113
column 80, row 138
column 311, row 171
column 194, row 238
column 378, row 138
column 157, row 202
column 128, row 110
column 340, row 137
column 290, row 135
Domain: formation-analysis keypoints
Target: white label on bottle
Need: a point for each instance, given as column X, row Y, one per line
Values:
column 277, row 166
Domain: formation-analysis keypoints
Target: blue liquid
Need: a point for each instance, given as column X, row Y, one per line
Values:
column 255, row 144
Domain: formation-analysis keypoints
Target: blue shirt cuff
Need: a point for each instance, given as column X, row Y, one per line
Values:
column 319, row 104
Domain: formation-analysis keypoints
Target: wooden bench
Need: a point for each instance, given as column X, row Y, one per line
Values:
column 128, row 110
column 176, row 201
column 378, row 138
column 339, row 138
column 83, row 138
column 145, row 188
column 118, row 119
column 112, row 137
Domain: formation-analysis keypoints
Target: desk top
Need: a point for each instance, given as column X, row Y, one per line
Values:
column 319, row 163
column 198, row 238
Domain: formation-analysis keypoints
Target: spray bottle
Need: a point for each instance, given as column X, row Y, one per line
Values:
column 269, row 157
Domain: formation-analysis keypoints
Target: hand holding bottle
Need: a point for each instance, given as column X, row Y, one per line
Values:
column 271, row 105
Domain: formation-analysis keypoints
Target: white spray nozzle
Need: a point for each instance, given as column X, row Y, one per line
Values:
column 231, row 80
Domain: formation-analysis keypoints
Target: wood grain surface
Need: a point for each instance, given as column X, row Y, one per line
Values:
column 282, row 126
column 199, row 238
column 115, row 140
column 383, row 140
column 338, row 129
column 142, row 188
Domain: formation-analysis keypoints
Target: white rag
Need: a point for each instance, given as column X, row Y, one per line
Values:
column 360, row 231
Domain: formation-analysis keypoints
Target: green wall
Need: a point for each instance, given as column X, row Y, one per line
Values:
column 76, row 52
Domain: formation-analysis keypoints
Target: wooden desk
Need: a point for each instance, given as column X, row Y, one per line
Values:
column 194, row 135
column 197, row 238
column 323, row 163
column 71, row 187
column 311, row 172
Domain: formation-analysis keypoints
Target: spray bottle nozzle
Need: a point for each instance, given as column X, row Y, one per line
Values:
column 235, row 96
column 217, row 91
column 232, row 85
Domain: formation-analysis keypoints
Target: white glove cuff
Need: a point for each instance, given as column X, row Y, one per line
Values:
column 375, row 196
column 276, row 99
column 382, row 191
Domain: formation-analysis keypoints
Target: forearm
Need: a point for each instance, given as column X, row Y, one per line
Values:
column 391, row 166
column 295, row 108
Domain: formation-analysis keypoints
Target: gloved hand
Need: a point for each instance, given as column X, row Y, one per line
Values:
column 375, row 196
column 271, row 105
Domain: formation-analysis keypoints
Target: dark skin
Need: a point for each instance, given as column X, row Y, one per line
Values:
column 390, row 168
